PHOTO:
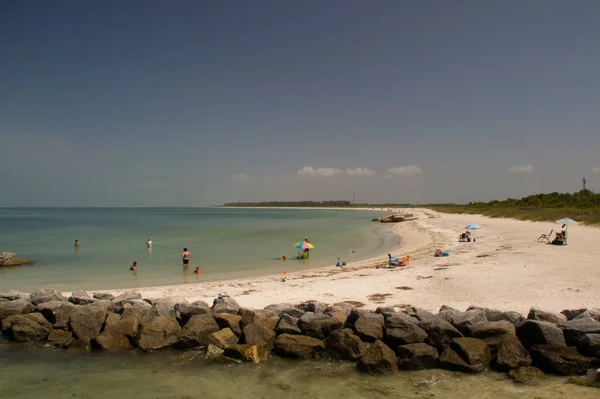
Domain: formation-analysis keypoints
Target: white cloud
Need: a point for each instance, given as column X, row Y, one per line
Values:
column 595, row 170
column 408, row 171
column 239, row 177
column 527, row 168
column 361, row 172
column 319, row 172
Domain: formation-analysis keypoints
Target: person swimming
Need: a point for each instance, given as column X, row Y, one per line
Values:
column 197, row 270
column 185, row 256
column 133, row 267
column 283, row 257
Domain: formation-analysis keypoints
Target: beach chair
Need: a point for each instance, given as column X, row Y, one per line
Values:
column 545, row 237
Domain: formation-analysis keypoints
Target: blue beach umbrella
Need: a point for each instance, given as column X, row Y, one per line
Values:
column 473, row 227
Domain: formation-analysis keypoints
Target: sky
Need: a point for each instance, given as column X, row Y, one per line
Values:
column 191, row 103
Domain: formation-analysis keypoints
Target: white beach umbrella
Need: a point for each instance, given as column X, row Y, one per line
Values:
column 566, row 222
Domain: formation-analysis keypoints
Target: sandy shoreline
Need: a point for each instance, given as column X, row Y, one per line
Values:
column 505, row 269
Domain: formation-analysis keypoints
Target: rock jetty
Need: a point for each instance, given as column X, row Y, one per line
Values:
column 382, row 341
column 8, row 259
column 396, row 218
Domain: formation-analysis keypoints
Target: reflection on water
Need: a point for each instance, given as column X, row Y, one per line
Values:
column 29, row 371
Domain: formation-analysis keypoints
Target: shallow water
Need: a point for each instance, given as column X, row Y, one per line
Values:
column 29, row 371
column 224, row 242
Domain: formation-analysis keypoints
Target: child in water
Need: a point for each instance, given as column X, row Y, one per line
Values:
column 197, row 270
column 133, row 267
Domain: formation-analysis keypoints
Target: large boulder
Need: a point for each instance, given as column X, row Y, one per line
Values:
column 591, row 314
column 57, row 313
column 128, row 326
column 493, row 332
column 344, row 345
column 231, row 321
column 222, row 338
column 418, row 313
column 534, row 332
column 583, row 333
column 265, row 318
column 112, row 340
column 466, row 354
column 313, row 307
column 439, row 331
column 8, row 259
column 160, row 332
column 524, row 375
column 86, row 321
column 225, row 305
column 104, row 296
column 401, row 329
column 561, row 360
column 247, row 352
column 288, row 325
column 318, row 325
column 61, row 338
column 188, row 310
column 196, row 331
column 378, row 358
column 255, row 334
column 13, row 295
column 511, row 354
column 80, row 297
column 122, row 299
column 417, row 356
column 369, row 327
column 570, row 314
column 164, row 307
column 46, row 295
column 299, row 346
column 354, row 315
column 16, row 307
column 496, row 315
column 466, row 321
column 551, row 317
column 27, row 327
column 284, row 308
column 339, row 311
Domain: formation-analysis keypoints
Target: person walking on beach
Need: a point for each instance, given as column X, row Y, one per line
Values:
column 185, row 257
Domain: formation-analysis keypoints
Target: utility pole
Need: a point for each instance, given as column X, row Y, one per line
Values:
column 353, row 199
column 584, row 181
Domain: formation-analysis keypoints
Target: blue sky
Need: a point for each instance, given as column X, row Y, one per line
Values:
column 113, row 103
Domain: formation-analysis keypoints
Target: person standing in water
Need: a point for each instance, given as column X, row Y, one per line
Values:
column 149, row 244
column 185, row 257
column 76, row 245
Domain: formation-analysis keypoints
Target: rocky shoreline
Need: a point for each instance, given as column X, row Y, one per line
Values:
column 381, row 341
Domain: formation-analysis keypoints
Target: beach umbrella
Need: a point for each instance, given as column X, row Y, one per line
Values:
column 304, row 245
column 566, row 222
column 473, row 227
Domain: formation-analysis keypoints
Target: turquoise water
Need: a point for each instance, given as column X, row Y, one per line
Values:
column 29, row 371
column 224, row 242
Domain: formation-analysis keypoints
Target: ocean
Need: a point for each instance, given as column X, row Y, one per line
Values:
column 224, row 242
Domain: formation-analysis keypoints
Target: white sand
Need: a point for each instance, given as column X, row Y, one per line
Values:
column 504, row 269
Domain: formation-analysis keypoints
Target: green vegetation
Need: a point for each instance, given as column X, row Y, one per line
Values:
column 310, row 204
column 583, row 206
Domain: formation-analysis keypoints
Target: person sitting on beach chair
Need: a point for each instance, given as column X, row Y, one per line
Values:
column 392, row 261
column 559, row 239
column 546, row 237
column 465, row 237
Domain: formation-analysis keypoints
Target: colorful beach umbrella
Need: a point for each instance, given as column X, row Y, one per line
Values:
column 304, row 245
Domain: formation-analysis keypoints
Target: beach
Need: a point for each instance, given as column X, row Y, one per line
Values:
column 503, row 269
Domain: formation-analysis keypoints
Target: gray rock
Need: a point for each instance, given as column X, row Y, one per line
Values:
column 524, row 375
column 378, row 358
column 196, row 331
column 86, row 321
column 164, row 307
column 103, row 296
column 354, row 315
column 187, row 311
column 80, row 297
column 340, row 311
column 13, row 295
column 214, row 353
column 570, row 314
column 369, row 327
column 284, row 308
column 46, row 295
column 344, row 345
column 231, row 321
column 511, row 354
column 57, row 313
column 255, row 334
column 561, row 360
column 411, row 334
column 222, row 338
column 418, row 313
column 474, row 351
column 288, row 325
column 400, row 320
column 16, row 307
column 265, row 318
column 313, row 307
column 584, row 334
column 138, row 309
column 128, row 326
column 448, row 313
column 493, row 332
column 112, row 319
column 160, row 332
column 8, row 259
column 465, row 322
column 299, row 346
column 439, row 332
column 318, row 325
column 590, row 313
column 112, row 340
column 122, row 299
column 27, row 327
column 512, row 317
column 551, row 317
column 61, row 338
column 225, row 305
column 417, row 356
column 533, row 332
